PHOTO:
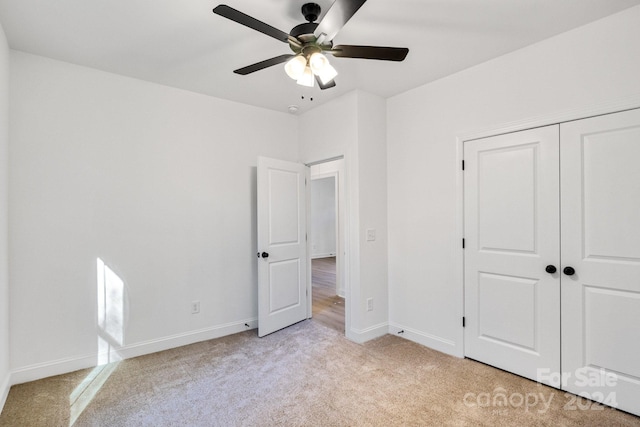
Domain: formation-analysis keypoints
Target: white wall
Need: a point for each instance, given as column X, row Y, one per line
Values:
column 326, row 140
column 323, row 217
column 372, row 200
column 356, row 130
column 157, row 182
column 592, row 65
column 4, row 211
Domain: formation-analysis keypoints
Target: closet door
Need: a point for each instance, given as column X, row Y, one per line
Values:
column 600, row 178
column 512, row 304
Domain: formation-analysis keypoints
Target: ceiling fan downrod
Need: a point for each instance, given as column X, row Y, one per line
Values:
column 311, row 11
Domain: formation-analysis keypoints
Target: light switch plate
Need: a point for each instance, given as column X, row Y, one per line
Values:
column 371, row 234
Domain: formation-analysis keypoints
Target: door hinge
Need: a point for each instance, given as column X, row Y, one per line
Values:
column 463, row 321
column 463, row 165
column 462, row 243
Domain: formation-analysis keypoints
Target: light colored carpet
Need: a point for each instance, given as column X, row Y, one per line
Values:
column 305, row 375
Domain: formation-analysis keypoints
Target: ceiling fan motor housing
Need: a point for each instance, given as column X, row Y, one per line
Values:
column 305, row 29
column 305, row 32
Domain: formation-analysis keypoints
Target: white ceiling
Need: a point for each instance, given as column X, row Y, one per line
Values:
column 183, row 44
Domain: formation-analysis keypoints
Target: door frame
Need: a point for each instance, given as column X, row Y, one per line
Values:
column 338, row 207
column 342, row 235
column 614, row 106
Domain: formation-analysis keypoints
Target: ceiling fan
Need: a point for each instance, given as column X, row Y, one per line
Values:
column 309, row 40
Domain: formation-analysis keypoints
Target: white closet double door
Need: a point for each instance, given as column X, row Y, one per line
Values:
column 552, row 258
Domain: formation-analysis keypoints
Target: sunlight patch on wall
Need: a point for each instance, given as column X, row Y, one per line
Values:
column 110, row 312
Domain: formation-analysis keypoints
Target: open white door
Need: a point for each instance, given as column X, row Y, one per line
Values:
column 282, row 245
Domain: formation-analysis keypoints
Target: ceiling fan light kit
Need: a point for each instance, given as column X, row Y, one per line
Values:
column 306, row 79
column 295, row 67
column 309, row 40
column 303, row 69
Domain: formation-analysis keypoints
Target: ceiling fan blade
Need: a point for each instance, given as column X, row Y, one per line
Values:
column 323, row 86
column 370, row 52
column 263, row 64
column 336, row 17
column 248, row 21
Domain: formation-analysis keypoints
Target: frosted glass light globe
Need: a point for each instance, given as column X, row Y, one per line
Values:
column 320, row 66
column 307, row 78
column 295, row 67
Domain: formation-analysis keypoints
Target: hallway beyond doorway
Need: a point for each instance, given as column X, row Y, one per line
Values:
column 328, row 308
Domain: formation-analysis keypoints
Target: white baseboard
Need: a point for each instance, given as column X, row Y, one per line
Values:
column 327, row 255
column 56, row 367
column 179, row 340
column 434, row 342
column 363, row 335
column 5, row 385
column 63, row 366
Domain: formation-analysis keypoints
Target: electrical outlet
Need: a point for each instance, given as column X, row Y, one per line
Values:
column 369, row 304
column 195, row 307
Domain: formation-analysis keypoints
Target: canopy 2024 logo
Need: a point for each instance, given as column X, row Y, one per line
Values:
column 597, row 384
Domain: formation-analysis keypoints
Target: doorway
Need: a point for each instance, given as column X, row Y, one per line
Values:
column 325, row 244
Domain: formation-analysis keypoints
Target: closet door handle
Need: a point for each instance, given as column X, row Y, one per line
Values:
column 569, row 271
column 265, row 255
column 551, row 269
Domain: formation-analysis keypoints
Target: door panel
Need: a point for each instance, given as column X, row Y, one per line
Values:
column 601, row 241
column 519, row 331
column 282, row 226
column 507, row 227
column 283, row 278
column 611, row 193
column 284, row 218
column 608, row 347
column 511, row 208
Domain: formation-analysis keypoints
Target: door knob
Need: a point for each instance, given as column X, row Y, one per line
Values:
column 265, row 255
column 551, row 269
column 569, row 271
